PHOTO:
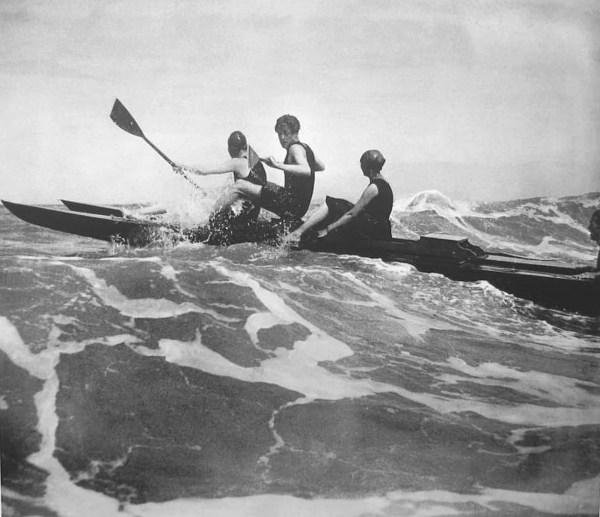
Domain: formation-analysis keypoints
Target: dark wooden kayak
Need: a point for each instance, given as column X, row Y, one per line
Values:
column 92, row 209
column 571, row 287
column 86, row 224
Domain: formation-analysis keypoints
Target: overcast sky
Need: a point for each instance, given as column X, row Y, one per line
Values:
column 477, row 99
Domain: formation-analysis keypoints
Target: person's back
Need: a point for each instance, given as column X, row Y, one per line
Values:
column 379, row 209
column 367, row 219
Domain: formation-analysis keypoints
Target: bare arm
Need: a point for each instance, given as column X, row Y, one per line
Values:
column 235, row 165
column 319, row 165
column 299, row 165
column 368, row 194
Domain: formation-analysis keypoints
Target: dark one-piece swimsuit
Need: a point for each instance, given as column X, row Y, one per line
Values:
column 373, row 222
column 291, row 201
column 232, row 224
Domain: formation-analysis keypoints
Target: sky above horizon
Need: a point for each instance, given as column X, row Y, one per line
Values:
column 480, row 100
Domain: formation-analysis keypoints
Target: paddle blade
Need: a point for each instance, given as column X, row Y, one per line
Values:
column 253, row 158
column 122, row 118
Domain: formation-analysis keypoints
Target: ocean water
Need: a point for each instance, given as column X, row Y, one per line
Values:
column 250, row 380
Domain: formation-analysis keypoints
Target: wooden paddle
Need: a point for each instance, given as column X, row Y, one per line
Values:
column 253, row 158
column 122, row 118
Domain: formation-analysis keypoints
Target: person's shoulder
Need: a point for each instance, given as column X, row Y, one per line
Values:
column 382, row 182
column 372, row 189
column 234, row 165
column 297, row 149
column 239, row 163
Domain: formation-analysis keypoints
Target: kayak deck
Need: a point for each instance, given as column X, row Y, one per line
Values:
column 92, row 209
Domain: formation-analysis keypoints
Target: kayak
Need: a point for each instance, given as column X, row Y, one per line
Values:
column 91, row 223
column 574, row 288
column 92, row 209
column 102, row 223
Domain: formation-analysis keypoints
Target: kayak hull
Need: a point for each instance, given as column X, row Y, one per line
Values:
column 554, row 284
column 573, row 288
column 96, row 226
column 96, row 223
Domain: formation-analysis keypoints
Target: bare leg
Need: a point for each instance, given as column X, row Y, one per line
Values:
column 241, row 189
column 244, row 188
column 318, row 216
column 225, row 201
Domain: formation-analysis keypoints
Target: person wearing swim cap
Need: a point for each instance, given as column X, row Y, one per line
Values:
column 594, row 228
column 290, row 201
column 368, row 218
column 245, row 166
column 238, row 163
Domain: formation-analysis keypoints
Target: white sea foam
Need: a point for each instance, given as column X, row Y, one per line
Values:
column 581, row 498
column 152, row 259
column 42, row 258
column 429, row 200
column 544, row 210
column 414, row 324
column 329, row 348
column 69, row 500
column 12, row 345
column 553, row 388
column 299, row 369
column 512, row 326
column 142, row 307
column 520, row 414
column 168, row 271
column 295, row 370
column 62, row 495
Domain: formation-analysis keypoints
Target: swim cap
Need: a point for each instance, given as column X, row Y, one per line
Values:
column 236, row 141
column 288, row 121
column 372, row 160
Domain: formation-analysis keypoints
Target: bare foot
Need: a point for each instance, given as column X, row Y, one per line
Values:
column 292, row 240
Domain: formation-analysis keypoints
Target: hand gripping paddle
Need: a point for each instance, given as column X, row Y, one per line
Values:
column 122, row 118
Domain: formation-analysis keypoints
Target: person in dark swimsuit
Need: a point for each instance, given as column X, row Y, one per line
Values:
column 368, row 218
column 232, row 213
column 594, row 228
column 290, row 201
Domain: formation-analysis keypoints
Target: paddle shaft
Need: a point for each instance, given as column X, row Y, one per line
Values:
column 163, row 155
column 122, row 118
column 172, row 164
